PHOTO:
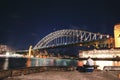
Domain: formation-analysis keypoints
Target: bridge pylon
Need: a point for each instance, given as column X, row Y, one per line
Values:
column 30, row 50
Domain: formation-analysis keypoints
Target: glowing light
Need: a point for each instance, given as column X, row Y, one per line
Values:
column 100, row 53
column 117, row 35
column 103, row 63
column 7, row 53
column 80, row 44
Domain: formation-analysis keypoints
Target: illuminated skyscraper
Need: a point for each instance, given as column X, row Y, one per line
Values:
column 117, row 35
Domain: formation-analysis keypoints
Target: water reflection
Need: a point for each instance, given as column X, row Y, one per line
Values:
column 6, row 63
column 11, row 63
column 36, row 64
column 50, row 62
column 28, row 62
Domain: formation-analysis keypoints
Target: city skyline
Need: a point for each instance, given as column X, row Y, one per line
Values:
column 25, row 23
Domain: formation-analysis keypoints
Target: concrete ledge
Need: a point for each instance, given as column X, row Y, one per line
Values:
column 111, row 68
column 24, row 71
column 29, row 70
column 4, row 74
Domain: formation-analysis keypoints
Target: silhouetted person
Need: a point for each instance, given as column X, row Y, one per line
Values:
column 89, row 67
column 89, row 62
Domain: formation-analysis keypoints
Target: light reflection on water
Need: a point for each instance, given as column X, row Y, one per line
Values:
column 50, row 62
column 6, row 63
column 10, row 63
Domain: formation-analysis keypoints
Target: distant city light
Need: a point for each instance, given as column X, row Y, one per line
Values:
column 7, row 53
column 108, row 36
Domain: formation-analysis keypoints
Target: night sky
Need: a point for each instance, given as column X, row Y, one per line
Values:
column 25, row 22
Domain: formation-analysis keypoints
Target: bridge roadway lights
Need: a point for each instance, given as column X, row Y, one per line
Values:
column 99, row 44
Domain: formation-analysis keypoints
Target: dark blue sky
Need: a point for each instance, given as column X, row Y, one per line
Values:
column 25, row 22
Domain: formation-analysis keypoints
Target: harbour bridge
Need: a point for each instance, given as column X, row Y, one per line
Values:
column 71, row 37
column 67, row 37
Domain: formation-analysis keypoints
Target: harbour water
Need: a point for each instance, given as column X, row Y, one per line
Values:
column 11, row 63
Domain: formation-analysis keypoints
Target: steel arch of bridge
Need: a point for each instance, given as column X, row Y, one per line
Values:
column 68, row 36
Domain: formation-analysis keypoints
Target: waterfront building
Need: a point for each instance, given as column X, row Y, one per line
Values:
column 5, row 48
column 7, row 51
column 117, row 35
column 113, row 43
column 107, row 53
